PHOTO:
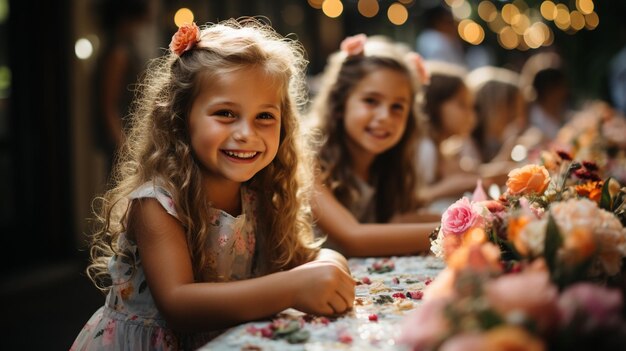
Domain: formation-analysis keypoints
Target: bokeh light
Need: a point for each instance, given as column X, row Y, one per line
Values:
column 471, row 32
column 397, row 13
column 508, row 12
column 464, row 10
column 577, row 20
column 487, row 11
column 368, row 8
column 592, row 21
column 548, row 10
column 332, row 8
column 183, row 16
column 83, row 48
column 507, row 38
column 316, row 4
column 585, row 6
column 4, row 10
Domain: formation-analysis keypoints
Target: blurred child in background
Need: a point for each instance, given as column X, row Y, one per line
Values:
column 368, row 118
column 448, row 159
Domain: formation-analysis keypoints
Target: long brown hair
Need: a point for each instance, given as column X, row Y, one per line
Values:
column 393, row 169
column 158, row 148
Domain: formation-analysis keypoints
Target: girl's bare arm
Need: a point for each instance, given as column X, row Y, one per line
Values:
column 319, row 288
column 357, row 239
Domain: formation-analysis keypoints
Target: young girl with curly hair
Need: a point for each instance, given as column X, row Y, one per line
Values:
column 368, row 118
column 208, row 225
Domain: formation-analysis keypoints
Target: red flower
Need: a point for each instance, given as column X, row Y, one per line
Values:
column 185, row 38
column 564, row 155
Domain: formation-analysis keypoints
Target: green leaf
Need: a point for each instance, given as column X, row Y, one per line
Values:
column 605, row 199
column 290, row 327
column 489, row 319
column 552, row 243
column 298, row 337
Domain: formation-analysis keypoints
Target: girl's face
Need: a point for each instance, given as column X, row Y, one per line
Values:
column 376, row 112
column 234, row 124
column 458, row 116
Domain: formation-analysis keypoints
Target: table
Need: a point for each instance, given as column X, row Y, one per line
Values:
column 374, row 323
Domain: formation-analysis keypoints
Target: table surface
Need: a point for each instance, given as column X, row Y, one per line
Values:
column 379, row 292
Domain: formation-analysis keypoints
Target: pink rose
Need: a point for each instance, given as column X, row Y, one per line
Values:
column 185, row 38
column 416, row 60
column 460, row 217
column 354, row 45
column 423, row 327
column 600, row 306
column 529, row 292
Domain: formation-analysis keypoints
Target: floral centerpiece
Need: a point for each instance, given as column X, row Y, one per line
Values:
column 562, row 212
column 528, row 271
column 483, row 310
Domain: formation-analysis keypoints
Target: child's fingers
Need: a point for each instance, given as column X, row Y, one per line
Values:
column 338, row 304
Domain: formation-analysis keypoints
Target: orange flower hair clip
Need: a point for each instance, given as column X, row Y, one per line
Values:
column 354, row 45
column 187, row 36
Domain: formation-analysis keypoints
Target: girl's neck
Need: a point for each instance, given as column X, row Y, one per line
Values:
column 224, row 195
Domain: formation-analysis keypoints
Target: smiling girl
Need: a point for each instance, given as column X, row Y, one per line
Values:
column 208, row 224
column 367, row 114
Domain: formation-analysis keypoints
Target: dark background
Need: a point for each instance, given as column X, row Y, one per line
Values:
column 46, row 186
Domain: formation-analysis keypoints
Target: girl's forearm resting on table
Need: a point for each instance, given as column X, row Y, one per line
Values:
column 316, row 287
column 356, row 239
column 199, row 306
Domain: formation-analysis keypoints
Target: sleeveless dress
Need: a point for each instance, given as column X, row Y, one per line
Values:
column 129, row 320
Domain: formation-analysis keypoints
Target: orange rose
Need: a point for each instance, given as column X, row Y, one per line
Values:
column 185, row 38
column 511, row 338
column 530, row 179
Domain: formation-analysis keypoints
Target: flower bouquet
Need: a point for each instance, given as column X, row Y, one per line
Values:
column 567, row 215
column 528, row 271
column 483, row 310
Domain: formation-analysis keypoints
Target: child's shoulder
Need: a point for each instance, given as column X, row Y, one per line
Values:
column 154, row 189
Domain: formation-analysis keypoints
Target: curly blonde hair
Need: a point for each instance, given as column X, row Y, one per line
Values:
column 395, row 181
column 158, row 147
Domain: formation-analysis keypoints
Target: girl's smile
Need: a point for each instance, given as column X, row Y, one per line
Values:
column 376, row 112
column 235, row 124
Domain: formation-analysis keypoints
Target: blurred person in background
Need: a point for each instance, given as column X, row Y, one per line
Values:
column 118, row 70
column 546, row 89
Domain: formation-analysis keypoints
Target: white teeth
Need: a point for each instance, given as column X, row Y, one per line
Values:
column 241, row 154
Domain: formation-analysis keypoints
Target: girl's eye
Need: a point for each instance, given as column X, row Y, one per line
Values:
column 225, row 113
column 265, row 115
column 369, row 101
column 398, row 107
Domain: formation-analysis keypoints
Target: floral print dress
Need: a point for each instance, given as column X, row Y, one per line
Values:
column 130, row 320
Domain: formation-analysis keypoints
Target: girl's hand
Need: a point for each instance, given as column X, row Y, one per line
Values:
column 323, row 288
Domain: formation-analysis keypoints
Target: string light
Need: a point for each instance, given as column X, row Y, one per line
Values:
column 516, row 24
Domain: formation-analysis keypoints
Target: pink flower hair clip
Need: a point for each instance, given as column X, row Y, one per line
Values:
column 354, row 45
column 416, row 60
column 187, row 36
